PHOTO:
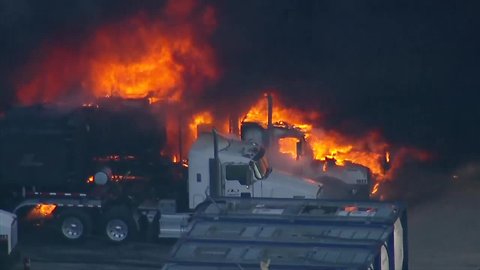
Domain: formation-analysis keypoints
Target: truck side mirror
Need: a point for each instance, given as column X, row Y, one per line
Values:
column 255, row 171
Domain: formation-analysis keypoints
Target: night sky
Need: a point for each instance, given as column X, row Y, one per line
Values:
column 408, row 68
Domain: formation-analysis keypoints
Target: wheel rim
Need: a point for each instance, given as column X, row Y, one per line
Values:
column 117, row 230
column 72, row 228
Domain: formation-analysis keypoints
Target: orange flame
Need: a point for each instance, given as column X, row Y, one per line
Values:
column 258, row 113
column 375, row 188
column 199, row 119
column 352, row 208
column 41, row 211
column 288, row 146
column 137, row 57
column 368, row 150
column 90, row 179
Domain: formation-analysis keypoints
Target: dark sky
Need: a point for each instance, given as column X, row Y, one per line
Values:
column 409, row 68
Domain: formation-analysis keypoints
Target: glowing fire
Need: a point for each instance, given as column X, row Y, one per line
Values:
column 375, row 188
column 351, row 208
column 160, row 58
column 90, row 179
column 368, row 150
column 41, row 211
column 199, row 120
column 258, row 113
column 288, row 146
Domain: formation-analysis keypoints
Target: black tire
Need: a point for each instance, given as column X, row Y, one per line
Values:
column 118, row 225
column 74, row 225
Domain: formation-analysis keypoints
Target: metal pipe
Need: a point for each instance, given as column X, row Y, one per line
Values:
column 233, row 124
column 269, row 142
column 270, row 111
column 215, row 185
column 215, row 144
column 180, row 139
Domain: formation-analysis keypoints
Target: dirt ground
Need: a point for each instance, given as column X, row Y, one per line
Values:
column 444, row 233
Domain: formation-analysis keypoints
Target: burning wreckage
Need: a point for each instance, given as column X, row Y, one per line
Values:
column 117, row 168
column 71, row 168
column 103, row 168
column 348, row 181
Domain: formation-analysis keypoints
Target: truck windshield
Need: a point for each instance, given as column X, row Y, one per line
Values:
column 261, row 168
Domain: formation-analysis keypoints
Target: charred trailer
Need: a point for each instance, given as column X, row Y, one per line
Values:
column 42, row 147
column 76, row 167
column 54, row 147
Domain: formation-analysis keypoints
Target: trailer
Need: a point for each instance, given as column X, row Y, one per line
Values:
column 308, row 214
column 78, row 170
column 213, row 266
column 238, row 169
column 271, row 232
column 123, row 192
column 59, row 147
column 266, row 233
column 195, row 253
column 318, row 234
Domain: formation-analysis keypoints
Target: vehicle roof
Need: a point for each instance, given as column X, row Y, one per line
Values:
column 228, row 146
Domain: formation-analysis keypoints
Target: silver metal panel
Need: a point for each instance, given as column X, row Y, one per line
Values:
column 280, row 255
column 303, row 210
column 173, row 226
column 300, row 234
column 176, row 266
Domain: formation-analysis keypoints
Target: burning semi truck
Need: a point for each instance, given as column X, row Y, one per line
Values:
column 347, row 181
column 99, row 169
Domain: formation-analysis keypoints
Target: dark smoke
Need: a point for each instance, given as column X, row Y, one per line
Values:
column 408, row 68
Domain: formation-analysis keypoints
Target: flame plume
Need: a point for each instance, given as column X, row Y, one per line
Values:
column 369, row 150
column 141, row 56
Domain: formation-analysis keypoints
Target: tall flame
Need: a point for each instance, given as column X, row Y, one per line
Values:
column 368, row 150
column 141, row 56
column 258, row 113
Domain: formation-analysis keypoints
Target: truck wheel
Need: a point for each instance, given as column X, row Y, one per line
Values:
column 119, row 225
column 74, row 225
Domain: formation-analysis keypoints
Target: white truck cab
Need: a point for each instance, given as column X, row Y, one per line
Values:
column 244, row 171
column 349, row 180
